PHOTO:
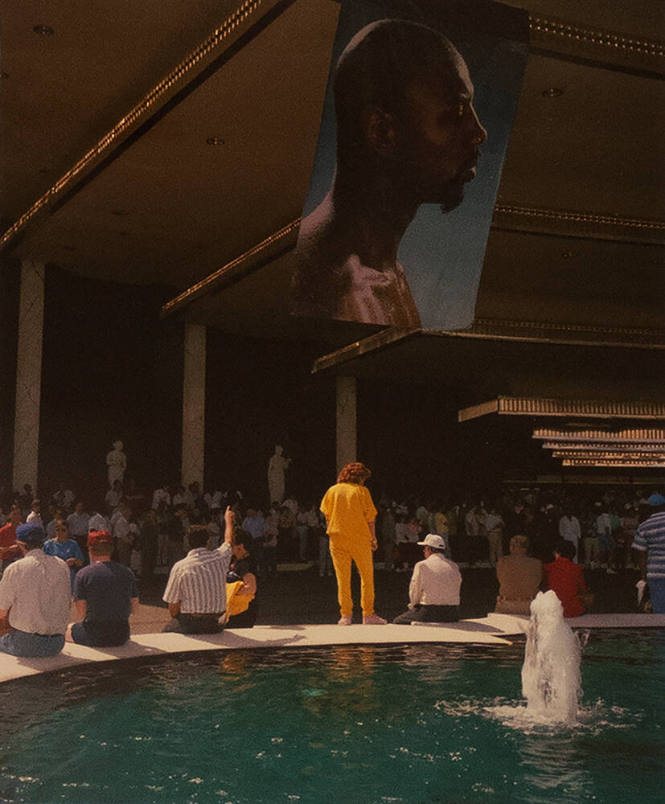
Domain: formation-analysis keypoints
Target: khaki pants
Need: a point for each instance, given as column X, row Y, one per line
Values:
column 504, row 606
column 494, row 539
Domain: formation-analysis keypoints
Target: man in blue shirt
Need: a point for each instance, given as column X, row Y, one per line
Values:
column 65, row 548
column 104, row 596
column 649, row 543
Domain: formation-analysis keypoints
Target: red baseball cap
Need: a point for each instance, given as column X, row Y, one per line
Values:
column 99, row 537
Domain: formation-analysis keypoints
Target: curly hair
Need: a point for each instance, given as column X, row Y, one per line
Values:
column 355, row 472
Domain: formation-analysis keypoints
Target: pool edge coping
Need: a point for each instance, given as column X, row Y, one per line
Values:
column 495, row 629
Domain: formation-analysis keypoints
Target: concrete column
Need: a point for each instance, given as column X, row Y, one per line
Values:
column 193, row 405
column 346, row 421
column 28, row 374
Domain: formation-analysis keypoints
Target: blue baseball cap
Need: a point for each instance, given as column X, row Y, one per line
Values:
column 656, row 499
column 29, row 533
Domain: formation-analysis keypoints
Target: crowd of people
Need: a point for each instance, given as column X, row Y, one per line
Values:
column 217, row 546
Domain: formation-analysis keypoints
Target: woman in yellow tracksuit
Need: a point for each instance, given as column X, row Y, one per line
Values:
column 350, row 514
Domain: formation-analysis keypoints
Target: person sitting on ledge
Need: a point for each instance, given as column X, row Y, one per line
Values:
column 104, row 596
column 243, row 607
column 434, row 591
column 34, row 599
column 520, row 578
column 196, row 589
column 567, row 579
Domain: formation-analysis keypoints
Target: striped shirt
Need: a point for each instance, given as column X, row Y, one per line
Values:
column 650, row 536
column 198, row 581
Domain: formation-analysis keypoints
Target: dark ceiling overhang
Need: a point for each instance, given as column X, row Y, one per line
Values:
column 121, row 184
column 507, row 365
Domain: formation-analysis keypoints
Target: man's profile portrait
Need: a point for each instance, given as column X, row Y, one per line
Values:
column 407, row 134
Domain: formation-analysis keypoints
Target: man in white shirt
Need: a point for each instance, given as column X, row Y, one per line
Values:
column 122, row 534
column 196, row 589
column 569, row 529
column 78, row 525
column 35, row 515
column 160, row 495
column 35, row 596
column 434, row 591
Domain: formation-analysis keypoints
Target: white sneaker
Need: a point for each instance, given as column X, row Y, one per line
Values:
column 374, row 619
column 344, row 621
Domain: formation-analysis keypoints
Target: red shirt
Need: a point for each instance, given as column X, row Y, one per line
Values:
column 567, row 580
column 7, row 539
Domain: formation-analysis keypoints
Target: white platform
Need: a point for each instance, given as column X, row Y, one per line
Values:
column 495, row 629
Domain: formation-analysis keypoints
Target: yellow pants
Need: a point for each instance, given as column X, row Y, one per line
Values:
column 342, row 552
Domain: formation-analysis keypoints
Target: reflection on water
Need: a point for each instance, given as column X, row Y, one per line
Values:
column 352, row 724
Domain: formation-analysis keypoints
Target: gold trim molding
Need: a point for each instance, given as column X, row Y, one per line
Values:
column 542, row 27
column 634, row 435
column 578, row 223
column 564, row 408
column 281, row 240
column 551, row 329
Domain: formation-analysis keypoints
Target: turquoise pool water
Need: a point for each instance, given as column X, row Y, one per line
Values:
column 431, row 723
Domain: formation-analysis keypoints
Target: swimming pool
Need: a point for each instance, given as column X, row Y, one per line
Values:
column 418, row 723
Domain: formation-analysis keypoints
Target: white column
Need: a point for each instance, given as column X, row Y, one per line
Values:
column 28, row 374
column 346, row 421
column 193, row 405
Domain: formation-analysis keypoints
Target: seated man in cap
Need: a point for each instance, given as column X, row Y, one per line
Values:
column 34, row 598
column 196, row 589
column 104, row 596
column 434, row 591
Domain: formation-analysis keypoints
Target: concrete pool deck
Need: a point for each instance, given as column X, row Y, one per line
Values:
column 495, row 629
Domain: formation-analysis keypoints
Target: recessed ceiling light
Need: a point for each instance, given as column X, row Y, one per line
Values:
column 552, row 92
column 43, row 30
column 215, row 141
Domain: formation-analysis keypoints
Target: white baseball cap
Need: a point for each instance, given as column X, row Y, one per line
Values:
column 433, row 540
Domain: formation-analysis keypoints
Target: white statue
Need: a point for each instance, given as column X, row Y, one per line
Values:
column 277, row 467
column 116, row 460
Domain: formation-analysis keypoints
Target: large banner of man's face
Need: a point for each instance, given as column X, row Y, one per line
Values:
column 420, row 102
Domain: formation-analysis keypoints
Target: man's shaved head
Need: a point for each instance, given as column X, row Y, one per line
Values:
column 378, row 65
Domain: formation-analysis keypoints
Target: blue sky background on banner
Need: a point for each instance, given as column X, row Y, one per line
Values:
column 443, row 254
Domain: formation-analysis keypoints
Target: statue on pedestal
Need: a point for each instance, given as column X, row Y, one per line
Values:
column 277, row 467
column 116, row 460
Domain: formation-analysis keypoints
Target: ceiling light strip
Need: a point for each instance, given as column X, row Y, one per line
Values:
column 606, row 455
column 229, row 26
column 525, row 406
column 646, row 435
column 590, row 446
column 593, row 36
column 618, row 464
column 573, row 216
column 496, row 325
column 274, row 244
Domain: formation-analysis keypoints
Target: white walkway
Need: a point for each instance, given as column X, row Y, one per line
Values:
column 495, row 629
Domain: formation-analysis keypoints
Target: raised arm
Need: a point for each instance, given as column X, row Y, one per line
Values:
column 229, row 522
